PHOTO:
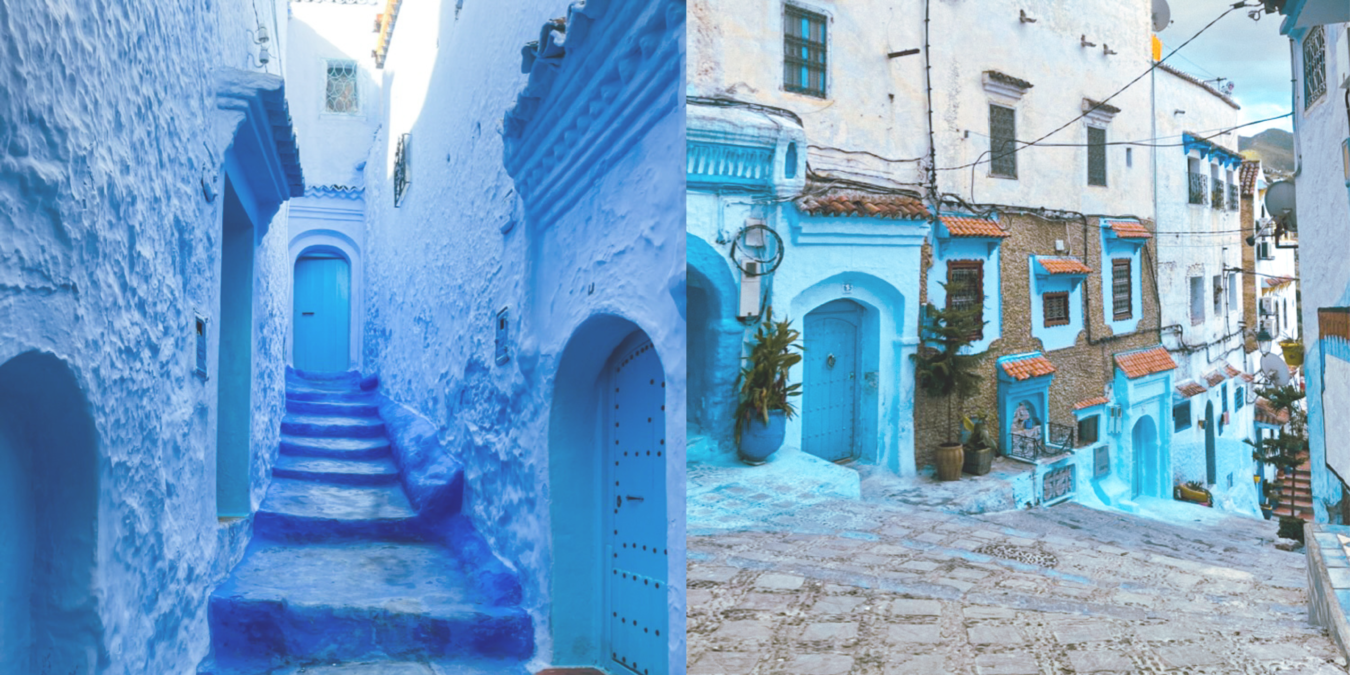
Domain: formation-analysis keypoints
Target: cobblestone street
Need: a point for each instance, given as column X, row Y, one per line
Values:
column 856, row 587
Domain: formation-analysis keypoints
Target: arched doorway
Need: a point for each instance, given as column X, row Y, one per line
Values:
column 322, row 313
column 702, row 346
column 49, row 514
column 830, row 380
column 713, row 350
column 608, row 463
column 1211, row 470
column 1145, row 441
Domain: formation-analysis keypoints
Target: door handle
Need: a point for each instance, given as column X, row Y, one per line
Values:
column 829, row 361
column 306, row 313
column 631, row 498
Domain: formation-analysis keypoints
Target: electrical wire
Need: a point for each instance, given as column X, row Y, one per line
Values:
column 1099, row 104
column 1148, row 143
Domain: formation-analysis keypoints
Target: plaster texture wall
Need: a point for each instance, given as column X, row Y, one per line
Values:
column 1324, row 217
column 464, row 245
column 107, row 250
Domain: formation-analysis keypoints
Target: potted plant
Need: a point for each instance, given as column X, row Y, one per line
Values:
column 943, row 372
column 981, row 446
column 1293, row 352
column 765, row 405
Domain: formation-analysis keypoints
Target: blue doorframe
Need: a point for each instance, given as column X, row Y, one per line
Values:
column 1211, row 470
column 636, row 591
column 322, row 313
column 830, row 380
column 234, row 373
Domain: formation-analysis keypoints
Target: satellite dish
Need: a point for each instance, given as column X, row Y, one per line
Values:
column 1280, row 198
column 1275, row 369
column 1162, row 15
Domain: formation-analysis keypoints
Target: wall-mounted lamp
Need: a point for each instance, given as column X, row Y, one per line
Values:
column 1263, row 340
column 1022, row 16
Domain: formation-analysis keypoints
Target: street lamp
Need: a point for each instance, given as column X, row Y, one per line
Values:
column 1263, row 340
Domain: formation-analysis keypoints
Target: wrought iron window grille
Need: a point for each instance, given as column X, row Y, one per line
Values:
column 1002, row 141
column 1122, row 299
column 1233, row 201
column 1030, row 447
column 965, row 291
column 1314, row 66
column 804, row 51
column 1216, row 196
column 1096, row 156
column 341, row 94
column 1055, row 306
column 1199, row 185
column 402, row 179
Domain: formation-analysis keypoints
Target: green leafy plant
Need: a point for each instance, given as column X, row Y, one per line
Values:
column 1288, row 448
column 943, row 372
column 978, row 432
column 764, row 379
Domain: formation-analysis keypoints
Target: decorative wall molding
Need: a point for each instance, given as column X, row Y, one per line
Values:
column 597, row 83
column 1005, row 87
column 263, row 141
column 725, row 164
column 1098, row 113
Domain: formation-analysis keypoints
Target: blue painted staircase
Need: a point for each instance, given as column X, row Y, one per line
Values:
column 344, row 576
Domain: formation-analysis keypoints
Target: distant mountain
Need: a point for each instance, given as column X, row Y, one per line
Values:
column 1274, row 147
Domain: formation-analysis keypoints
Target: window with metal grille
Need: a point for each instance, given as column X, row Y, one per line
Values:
column 1002, row 141
column 340, row 96
column 1314, row 66
column 1087, row 430
column 1218, row 294
column 1232, row 291
column 803, row 51
column 1122, row 299
column 1263, row 251
column 1181, row 416
column 965, row 292
column 1197, row 300
column 1096, row 156
column 1056, row 307
column 402, row 157
column 1239, row 399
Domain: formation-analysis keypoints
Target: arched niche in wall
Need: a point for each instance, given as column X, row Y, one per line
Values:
column 49, row 494
column 608, row 463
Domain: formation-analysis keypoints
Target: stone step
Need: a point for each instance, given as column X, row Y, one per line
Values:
column 457, row 667
column 380, row 471
column 309, row 393
column 335, row 603
column 332, row 426
column 301, row 511
column 354, row 408
column 337, row 448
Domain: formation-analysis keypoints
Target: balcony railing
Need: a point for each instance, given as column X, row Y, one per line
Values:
column 1216, row 196
column 1199, row 186
column 1029, row 447
column 1233, row 201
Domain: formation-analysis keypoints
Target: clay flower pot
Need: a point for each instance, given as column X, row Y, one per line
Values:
column 950, row 457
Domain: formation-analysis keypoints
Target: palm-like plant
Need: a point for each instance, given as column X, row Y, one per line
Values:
column 943, row 371
column 764, row 379
column 1288, row 449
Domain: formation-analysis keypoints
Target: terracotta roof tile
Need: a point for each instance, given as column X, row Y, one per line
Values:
column 1199, row 83
column 1266, row 414
column 1004, row 78
column 895, row 207
column 1249, row 377
column 1129, row 229
column 1090, row 104
column 1145, row 362
column 1232, row 372
column 1190, row 388
column 1247, row 176
column 1088, row 403
column 1029, row 366
column 1063, row 265
column 966, row 226
column 1276, row 282
column 1214, row 377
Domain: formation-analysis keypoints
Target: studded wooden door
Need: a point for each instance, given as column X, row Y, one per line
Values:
column 635, row 535
column 830, row 380
column 322, row 314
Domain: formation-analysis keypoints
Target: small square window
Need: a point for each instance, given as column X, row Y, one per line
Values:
column 803, row 51
column 1181, row 416
column 1056, row 308
column 341, row 95
column 1087, row 430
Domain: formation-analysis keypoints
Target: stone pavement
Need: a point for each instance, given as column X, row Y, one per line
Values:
column 852, row 587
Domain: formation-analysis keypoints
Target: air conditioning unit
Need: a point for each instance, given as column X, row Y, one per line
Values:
column 1267, row 306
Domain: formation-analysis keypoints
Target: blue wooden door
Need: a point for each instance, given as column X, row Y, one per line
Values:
column 322, row 314
column 830, row 380
column 1211, row 470
column 635, row 534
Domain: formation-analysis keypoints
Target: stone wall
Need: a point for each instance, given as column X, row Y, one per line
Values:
column 1082, row 371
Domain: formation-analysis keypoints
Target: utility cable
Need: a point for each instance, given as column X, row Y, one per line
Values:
column 1097, row 105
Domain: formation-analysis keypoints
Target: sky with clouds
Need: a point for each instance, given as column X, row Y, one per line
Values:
column 1252, row 54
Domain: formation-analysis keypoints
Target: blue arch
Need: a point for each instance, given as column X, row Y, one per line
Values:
column 714, row 343
column 49, row 494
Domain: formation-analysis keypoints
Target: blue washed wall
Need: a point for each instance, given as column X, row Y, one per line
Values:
column 1056, row 337
column 463, row 245
column 1113, row 247
column 107, row 249
column 989, row 251
column 1150, row 395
